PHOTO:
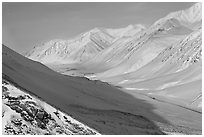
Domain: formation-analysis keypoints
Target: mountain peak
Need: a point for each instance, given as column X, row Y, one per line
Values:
column 190, row 17
column 197, row 6
column 94, row 30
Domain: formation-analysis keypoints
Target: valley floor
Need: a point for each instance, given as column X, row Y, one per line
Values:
column 181, row 120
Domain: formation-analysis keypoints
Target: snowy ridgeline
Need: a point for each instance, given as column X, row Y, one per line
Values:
column 25, row 114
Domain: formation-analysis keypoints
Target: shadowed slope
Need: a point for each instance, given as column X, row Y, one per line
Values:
column 66, row 92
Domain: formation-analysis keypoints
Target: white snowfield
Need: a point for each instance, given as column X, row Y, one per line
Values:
column 132, row 80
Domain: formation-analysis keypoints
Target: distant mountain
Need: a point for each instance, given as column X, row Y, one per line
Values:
column 85, row 46
column 166, row 60
column 129, row 54
column 176, row 72
column 82, row 47
column 171, row 47
column 191, row 17
column 77, row 49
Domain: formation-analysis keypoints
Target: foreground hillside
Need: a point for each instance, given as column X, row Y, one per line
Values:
column 87, row 101
column 24, row 114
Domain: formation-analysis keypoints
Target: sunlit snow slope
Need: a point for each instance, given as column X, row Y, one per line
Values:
column 80, row 48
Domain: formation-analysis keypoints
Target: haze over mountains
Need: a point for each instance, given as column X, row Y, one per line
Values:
column 150, row 76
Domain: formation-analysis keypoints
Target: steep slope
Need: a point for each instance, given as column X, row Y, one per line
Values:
column 191, row 17
column 173, row 59
column 128, row 54
column 118, row 51
column 24, row 114
column 89, row 102
column 178, row 65
column 82, row 47
column 78, row 49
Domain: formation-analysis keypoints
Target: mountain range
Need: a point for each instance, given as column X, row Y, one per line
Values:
column 132, row 80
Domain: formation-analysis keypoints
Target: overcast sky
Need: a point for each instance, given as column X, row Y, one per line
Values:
column 27, row 24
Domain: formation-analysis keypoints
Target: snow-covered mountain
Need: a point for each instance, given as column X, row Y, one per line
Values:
column 100, row 42
column 149, row 74
column 164, row 61
column 78, row 49
column 191, row 18
column 82, row 47
column 135, row 54
column 129, row 54
column 175, row 72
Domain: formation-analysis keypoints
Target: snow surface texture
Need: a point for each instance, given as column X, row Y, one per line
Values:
column 25, row 114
